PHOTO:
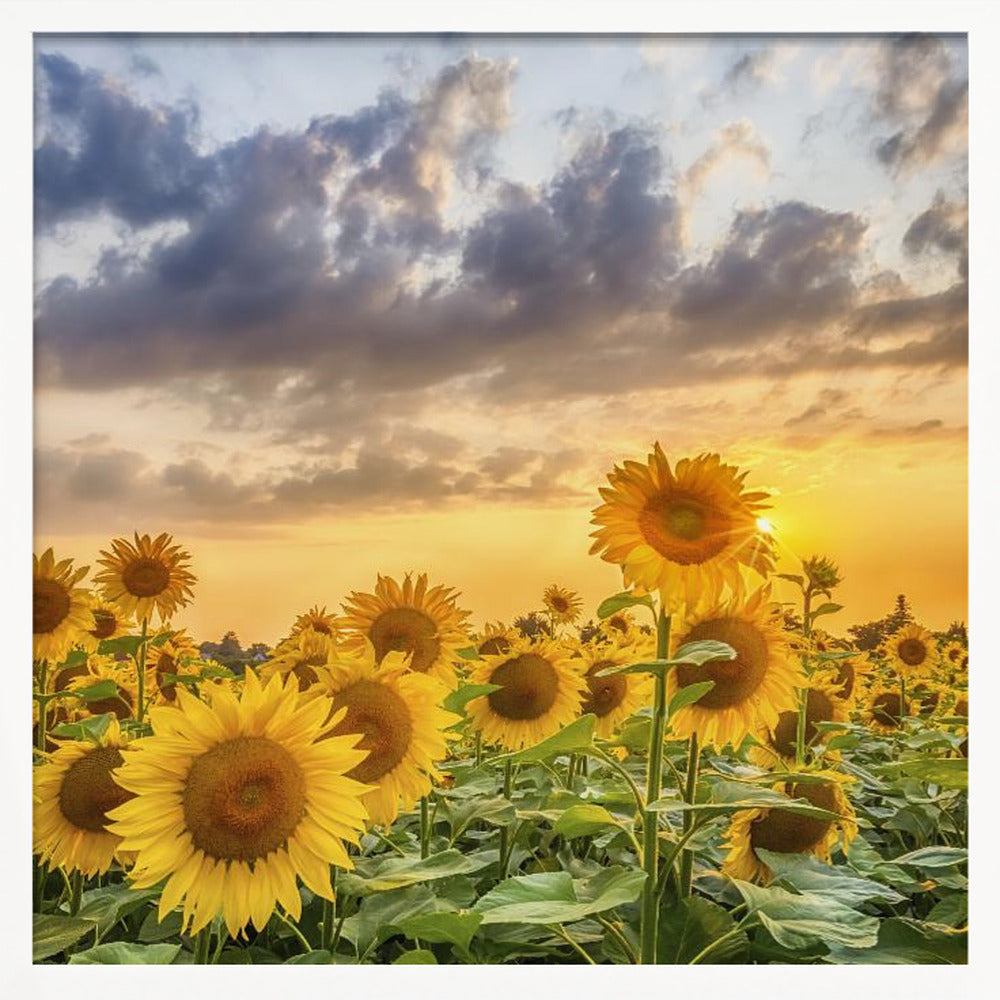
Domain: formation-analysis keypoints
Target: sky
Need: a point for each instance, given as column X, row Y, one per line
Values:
column 327, row 307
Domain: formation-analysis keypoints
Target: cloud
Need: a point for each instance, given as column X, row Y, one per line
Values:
column 943, row 227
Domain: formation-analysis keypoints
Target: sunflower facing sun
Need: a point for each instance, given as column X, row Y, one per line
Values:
column 235, row 798
column 563, row 605
column 685, row 531
column 402, row 725
column 61, row 612
column 146, row 576
column 408, row 619
column 541, row 689
column 752, row 690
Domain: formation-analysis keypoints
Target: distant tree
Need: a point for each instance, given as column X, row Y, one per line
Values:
column 956, row 632
column 901, row 615
column 257, row 653
column 871, row 635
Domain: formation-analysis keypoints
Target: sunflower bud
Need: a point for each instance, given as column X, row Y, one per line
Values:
column 823, row 573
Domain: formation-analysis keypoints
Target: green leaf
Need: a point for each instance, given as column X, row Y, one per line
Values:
column 469, row 653
column 690, row 926
column 902, row 941
column 496, row 810
column 792, row 577
column 583, row 820
column 443, row 928
column 125, row 953
column 396, row 873
column 458, row 699
column 934, row 857
column 703, row 651
column 557, row 898
column 94, row 692
column 91, row 728
column 378, row 915
column 808, row 874
column 689, row 695
column 419, row 956
column 319, row 956
column 948, row 772
column 51, row 934
column 732, row 796
column 577, row 737
column 621, row 601
column 154, row 930
column 825, row 609
column 128, row 644
column 801, row 920
column 108, row 904
column 952, row 911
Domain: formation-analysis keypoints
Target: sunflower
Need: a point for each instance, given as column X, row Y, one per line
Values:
column 614, row 698
column 684, row 531
column 541, row 691
column 823, row 704
column 752, row 690
column 74, row 790
column 316, row 619
column 955, row 657
column 847, row 675
column 60, row 611
column 884, row 705
column 146, row 577
column 563, row 605
column 620, row 628
column 911, row 651
column 235, row 798
column 303, row 655
column 409, row 619
column 398, row 715
column 786, row 832
column 121, row 704
column 109, row 623
column 496, row 638
column 169, row 659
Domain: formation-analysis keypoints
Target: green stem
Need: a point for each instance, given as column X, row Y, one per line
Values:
column 570, row 771
column 902, row 699
column 620, row 938
column 42, row 870
column 140, row 709
column 329, row 913
column 712, row 945
column 569, row 940
column 800, row 728
column 76, row 886
column 425, row 828
column 650, row 819
column 479, row 749
column 508, row 785
column 202, row 945
column 687, row 859
column 43, row 705
column 671, row 858
column 640, row 802
column 290, row 924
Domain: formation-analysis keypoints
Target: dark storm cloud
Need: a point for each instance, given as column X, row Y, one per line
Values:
column 924, row 96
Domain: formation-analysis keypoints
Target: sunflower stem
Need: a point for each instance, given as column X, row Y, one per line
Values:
column 76, row 891
column 202, row 945
column 902, row 699
column 508, row 770
column 140, row 709
column 43, row 705
column 800, row 727
column 570, row 771
column 620, row 939
column 650, row 818
column 329, row 913
column 690, row 791
column 290, row 924
column 479, row 749
column 425, row 827
column 565, row 935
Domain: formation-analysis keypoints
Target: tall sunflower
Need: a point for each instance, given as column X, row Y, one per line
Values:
column 235, row 798
column 823, row 704
column 752, row 690
column 73, row 793
column 614, row 698
column 541, row 689
column 146, row 576
column 911, row 651
column 60, row 611
column 109, row 623
column 563, row 605
column 786, row 832
column 402, row 725
column 408, row 619
column 683, row 531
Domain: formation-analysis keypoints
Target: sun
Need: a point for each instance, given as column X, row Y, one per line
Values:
column 764, row 526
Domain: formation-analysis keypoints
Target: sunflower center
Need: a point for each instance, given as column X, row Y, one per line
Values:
column 618, row 622
column 530, row 686
column 120, row 704
column 50, row 605
column 381, row 715
column 495, row 645
column 912, row 652
column 69, row 673
column 319, row 625
column 886, row 708
column 785, row 832
column 104, row 624
column 304, row 674
column 683, row 528
column 737, row 680
column 559, row 603
column 606, row 693
column 145, row 577
column 89, row 792
column 166, row 665
column 819, row 708
column 243, row 798
column 406, row 630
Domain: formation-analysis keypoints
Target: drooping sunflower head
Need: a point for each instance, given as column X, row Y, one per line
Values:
column 74, row 790
column 821, row 572
column 424, row 623
column 109, row 623
column 541, row 689
column 614, row 697
column 786, row 832
column 752, row 690
column 777, row 745
column 885, row 708
column 403, row 728
column 496, row 638
column 165, row 661
column 318, row 620
column 61, row 613
column 911, row 651
column 304, row 655
column 846, row 675
column 685, row 531
column 121, row 703
column 563, row 605
column 925, row 698
column 237, row 797
column 147, row 576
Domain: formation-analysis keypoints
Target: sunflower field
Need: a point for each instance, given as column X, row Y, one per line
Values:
column 697, row 775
